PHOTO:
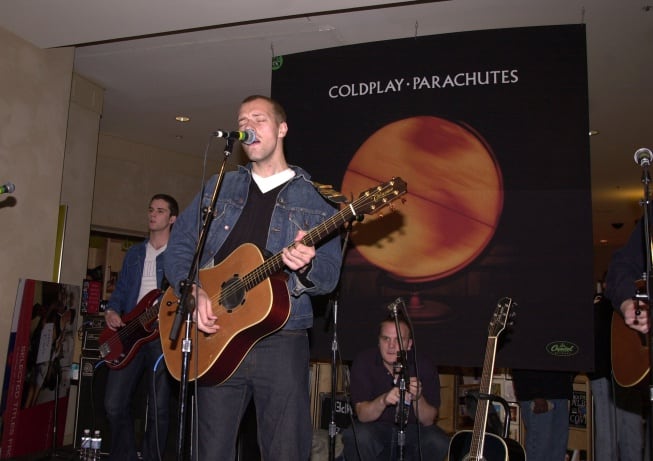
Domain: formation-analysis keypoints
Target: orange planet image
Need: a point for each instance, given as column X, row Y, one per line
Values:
column 452, row 207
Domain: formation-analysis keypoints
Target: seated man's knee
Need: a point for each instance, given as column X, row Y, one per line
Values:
column 436, row 442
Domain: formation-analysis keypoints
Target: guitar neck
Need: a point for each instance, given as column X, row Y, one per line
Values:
column 274, row 264
column 480, row 419
column 149, row 315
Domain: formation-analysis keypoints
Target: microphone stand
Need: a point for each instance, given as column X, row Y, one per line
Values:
column 400, row 368
column 186, row 304
column 644, row 161
column 333, row 429
column 55, row 432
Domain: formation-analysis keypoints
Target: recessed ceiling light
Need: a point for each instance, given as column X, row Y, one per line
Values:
column 594, row 132
column 182, row 118
column 179, row 136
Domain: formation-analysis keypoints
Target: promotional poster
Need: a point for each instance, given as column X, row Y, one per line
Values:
column 489, row 132
column 39, row 359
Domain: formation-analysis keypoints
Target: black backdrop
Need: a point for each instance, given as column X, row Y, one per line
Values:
column 523, row 93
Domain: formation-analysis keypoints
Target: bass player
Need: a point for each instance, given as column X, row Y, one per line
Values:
column 141, row 272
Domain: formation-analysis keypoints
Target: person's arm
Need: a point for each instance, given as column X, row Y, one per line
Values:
column 635, row 314
column 118, row 299
column 426, row 413
column 182, row 245
column 371, row 410
column 626, row 267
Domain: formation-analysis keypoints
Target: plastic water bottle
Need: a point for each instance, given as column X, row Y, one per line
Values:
column 96, row 445
column 85, row 446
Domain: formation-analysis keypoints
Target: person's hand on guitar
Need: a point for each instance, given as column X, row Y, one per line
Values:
column 203, row 314
column 113, row 320
column 298, row 255
column 636, row 315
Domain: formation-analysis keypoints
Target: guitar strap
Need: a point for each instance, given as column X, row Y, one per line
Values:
column 329, row 193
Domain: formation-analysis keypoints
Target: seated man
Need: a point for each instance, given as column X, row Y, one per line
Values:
column 374, row 397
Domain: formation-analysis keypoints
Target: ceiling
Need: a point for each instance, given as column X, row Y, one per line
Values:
column 160, row 58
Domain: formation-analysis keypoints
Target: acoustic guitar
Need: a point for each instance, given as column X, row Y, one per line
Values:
column 478, row 445
column 629, row 349
column 250, row 297
column 118, row 347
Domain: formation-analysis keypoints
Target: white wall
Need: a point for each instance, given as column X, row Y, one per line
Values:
column 34, row 99
column 127, row 176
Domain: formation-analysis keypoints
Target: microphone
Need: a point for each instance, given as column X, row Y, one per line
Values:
column 643, row 156
column 246, row 137
column 7, row 188
column 392, row 307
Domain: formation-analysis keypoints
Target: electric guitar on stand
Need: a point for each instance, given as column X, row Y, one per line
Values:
column 250, row 297
column 478, row 445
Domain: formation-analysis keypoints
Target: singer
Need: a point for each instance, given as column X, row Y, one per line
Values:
column 270, row 204
column 375, row 400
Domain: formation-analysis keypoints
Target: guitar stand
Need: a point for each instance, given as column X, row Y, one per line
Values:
column 506, row 408
column 186, row 305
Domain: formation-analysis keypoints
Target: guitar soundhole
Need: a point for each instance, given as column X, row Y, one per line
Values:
column 233, row 293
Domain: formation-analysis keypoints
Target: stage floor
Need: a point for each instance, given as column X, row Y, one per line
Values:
column 62, row 454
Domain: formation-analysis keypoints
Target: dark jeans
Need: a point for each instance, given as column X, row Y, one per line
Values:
column 275, row 374
column 378, row 441
column 120, row 388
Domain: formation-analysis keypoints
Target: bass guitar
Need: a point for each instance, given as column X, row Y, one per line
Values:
column 477, row 445
column 250, row 298
column 629, row 349
column 117, row 347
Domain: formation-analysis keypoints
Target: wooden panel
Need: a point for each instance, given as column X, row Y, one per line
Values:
column 320, row 382
column 446, row 419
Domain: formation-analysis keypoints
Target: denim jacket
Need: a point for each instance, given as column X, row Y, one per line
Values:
column 298, row 206
column 125, row 296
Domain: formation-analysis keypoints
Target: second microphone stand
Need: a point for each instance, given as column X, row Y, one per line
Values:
column 400, row 371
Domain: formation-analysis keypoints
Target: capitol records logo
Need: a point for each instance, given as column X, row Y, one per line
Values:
column 562, row 348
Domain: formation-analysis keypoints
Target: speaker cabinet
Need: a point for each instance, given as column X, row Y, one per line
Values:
column 90, row 401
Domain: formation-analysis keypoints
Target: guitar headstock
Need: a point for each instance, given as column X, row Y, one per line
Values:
column 377, row 197
column 503, row 316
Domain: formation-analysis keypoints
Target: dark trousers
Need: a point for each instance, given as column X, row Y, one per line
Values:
column 274, row 373
column 120, row 389
column 379, row 441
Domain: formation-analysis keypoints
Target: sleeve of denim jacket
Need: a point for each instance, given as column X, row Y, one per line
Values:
column 626, row 267
column 119, row 296
column 182, row 244
column 324, row 272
